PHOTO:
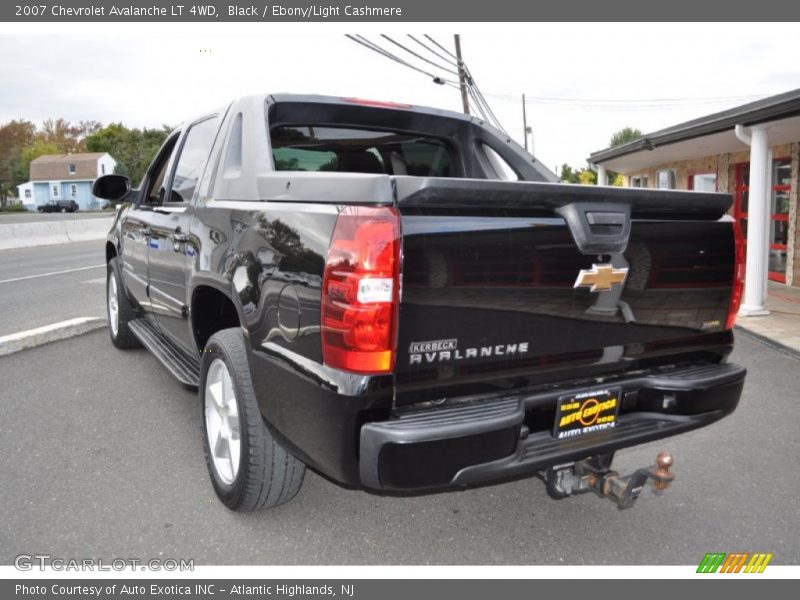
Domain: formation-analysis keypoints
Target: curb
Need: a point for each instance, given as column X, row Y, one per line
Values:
column 48, row 233
column 24, row 340
column 767, row 341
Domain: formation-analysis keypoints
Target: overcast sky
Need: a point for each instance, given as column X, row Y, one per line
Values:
column 586, row 80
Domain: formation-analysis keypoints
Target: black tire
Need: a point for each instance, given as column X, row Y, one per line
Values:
column 268, row 475
column 126, row 312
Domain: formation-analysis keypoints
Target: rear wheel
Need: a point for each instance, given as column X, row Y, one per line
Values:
column 249, row 468
column 119, row 309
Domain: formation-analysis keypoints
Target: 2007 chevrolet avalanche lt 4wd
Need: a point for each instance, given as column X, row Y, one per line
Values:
column 396, row 297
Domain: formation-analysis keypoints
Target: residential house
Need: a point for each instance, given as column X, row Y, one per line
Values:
column 65, row 177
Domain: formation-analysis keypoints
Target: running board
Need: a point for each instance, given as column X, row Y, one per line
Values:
column 184, row 368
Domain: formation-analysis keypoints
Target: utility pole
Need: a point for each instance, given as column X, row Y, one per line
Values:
column 524, row 123
column 462, row 76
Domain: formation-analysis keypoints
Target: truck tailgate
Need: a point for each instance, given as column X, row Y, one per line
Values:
column 489, row 299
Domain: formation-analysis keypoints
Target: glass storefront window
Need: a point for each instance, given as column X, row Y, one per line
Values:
column 704, row 182
column 777, row 261
column 779, row 212
column 780, row 202
column 782, row 172
column 780, row 232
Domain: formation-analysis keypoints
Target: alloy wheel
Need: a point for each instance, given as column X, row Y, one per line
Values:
column 222, row 421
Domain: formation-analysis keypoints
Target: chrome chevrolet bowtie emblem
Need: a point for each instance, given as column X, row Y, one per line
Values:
column 600, row 278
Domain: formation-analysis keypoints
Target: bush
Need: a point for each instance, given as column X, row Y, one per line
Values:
column 13, row 208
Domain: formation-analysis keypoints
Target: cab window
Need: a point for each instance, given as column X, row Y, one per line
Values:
column 192, row 159
column 155, row 182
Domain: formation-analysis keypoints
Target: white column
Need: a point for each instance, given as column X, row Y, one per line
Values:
column 601, row 175
column 757, row 221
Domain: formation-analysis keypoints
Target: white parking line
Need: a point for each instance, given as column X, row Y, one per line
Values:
column 13, row 279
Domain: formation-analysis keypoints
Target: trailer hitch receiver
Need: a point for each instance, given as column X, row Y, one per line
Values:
column 594, row 475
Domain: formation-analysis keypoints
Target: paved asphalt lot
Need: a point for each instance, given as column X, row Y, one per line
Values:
column 100, row 455
column 41, row 285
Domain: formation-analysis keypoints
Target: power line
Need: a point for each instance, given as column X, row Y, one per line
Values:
column 478, row 99
column 476, row 103
column 615, row 107
column 483, row 99
column 360, row 39
column 624, row 103
column 375, row 48
column 638, row 100
column 440, row 46
column 430, row 62
column 434, row 52
column 474, row 84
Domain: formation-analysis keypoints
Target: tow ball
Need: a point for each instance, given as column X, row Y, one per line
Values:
column 595, row 475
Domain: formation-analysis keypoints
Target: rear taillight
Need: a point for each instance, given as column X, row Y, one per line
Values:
column 360, row 290
column 738, row 276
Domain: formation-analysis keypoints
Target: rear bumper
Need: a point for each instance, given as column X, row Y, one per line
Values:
column 496, row 439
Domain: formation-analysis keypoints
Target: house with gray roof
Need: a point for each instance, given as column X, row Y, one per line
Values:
column 56, row 177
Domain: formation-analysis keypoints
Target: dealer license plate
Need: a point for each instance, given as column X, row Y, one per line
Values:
column 586, row 412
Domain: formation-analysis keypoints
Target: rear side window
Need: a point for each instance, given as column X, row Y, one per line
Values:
column 501, row 168
column 347, row 150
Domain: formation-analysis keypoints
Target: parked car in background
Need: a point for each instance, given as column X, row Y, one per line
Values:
column 59, row 206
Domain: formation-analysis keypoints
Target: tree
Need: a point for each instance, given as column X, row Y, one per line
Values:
column 21, row 142
column 66, row 136
column 15, row 136
column 568, row 174
column 588, row 176
column 133, row 149
column 623, row 136
column 585, row 176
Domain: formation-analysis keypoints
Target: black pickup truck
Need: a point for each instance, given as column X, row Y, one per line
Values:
column 401, row 299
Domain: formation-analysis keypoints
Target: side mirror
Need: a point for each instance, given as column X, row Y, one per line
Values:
column 111, row 187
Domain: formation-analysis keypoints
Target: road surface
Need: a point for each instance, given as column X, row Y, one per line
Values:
column 48, row 284
column 101, row 456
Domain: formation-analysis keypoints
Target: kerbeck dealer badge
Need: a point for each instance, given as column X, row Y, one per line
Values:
column 442, row 351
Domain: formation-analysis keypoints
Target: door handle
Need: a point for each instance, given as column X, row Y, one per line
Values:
column 179, row 240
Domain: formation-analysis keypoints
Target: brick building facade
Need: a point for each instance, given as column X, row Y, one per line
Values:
column 712, row 154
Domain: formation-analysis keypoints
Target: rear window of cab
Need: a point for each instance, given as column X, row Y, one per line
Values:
column 349, row 150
